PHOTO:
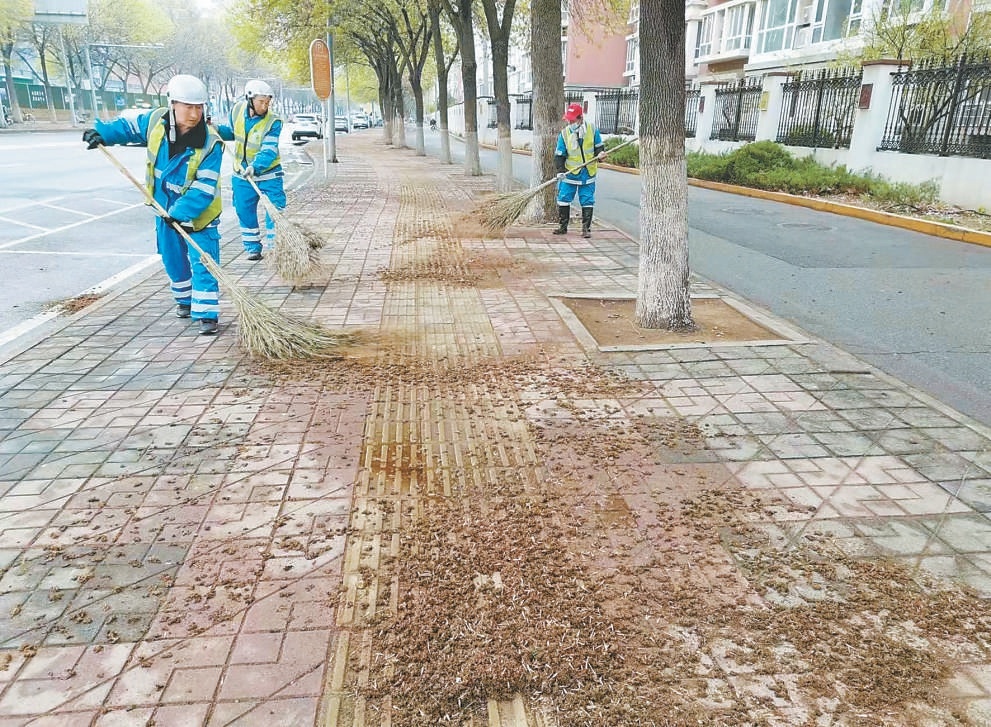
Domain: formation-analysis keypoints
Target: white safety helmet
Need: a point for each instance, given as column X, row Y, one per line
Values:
column 187, row 89
column 256, row 87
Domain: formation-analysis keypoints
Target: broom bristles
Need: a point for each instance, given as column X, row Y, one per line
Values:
column 295, row 257
column 504, row 209
column 266, row 333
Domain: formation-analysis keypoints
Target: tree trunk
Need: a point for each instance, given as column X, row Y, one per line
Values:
column 15, row 106
column 662, row 294
column 548, row 101
column 469, row 79
column 442, row 69
column 421, row 150
column 499, row 30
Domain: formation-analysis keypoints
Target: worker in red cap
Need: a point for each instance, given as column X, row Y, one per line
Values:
column 579, row 142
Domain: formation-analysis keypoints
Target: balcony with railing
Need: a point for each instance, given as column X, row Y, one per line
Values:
column 725, row 32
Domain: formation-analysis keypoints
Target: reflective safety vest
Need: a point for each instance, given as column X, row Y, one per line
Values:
column 156, row 133
column 574, row 159
column 248, row 143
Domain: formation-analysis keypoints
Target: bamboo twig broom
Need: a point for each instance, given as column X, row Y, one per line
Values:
column 296, row 254
column 263, row 331
column 504, row 209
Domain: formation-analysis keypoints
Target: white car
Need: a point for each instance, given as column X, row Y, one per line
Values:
column 359, row 121
column 307, row 126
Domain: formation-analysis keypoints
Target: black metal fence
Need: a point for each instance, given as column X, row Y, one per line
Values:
column 692, row 96
column 736, row 111
column 523, row 111
column 523, row 115
column 941, row 109
column 818, row 109
column 616, row 110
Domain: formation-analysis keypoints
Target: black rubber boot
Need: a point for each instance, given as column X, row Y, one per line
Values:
column 586, row 221
column 563, row 215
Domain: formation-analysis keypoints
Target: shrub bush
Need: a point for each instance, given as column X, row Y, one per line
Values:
column 767, row 165
column 628, row 156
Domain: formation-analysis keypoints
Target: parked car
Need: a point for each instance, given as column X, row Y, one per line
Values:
column 307, row 126
column 341, row 124
column 359, row 121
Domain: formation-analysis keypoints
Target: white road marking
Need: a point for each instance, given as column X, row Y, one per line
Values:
column 68, row 227
column 22, row 224
column 66, row 209
column 29, row 203
column 69, row 252
column 28, row 325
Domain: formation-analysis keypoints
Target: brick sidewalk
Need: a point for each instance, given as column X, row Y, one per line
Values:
column 192, row 538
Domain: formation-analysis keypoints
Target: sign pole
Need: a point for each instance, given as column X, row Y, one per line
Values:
column 333, row 103
column 322, row 84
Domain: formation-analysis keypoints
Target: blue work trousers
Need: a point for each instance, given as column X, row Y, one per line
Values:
column 192, row 283
column 566, row 193
column 246, row 205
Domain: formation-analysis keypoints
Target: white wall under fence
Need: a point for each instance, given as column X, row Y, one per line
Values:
column 963, row 181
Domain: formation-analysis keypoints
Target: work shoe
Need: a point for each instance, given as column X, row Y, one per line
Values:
column 563, row 217
column 586, row 221
column 208, row 326
column 254, row 256
column 182, row 311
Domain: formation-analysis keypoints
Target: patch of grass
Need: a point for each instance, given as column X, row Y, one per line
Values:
column 767, row 165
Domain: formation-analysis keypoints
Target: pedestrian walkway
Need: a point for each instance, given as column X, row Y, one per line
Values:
column 478, row 515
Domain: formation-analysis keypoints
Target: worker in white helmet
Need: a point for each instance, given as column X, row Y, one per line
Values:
column 183, row 175
column 255, row 128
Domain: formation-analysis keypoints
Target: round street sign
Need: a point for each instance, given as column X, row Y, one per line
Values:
column 320, row 69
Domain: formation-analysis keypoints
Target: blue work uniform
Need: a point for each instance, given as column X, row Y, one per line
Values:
column 256, row 142
column 187, row 186
column 577, row 147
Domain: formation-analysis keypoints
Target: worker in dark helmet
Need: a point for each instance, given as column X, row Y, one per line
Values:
column 579, row 142
column 255, row 128
column 183, row 176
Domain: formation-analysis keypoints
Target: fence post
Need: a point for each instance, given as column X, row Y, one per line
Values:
column 872, row 110
column 961, row 63
column 707, row 102
column 589, row 100
column 771, row 100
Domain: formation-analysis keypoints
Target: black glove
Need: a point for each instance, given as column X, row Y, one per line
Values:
column 174, row 223
column 92, row 138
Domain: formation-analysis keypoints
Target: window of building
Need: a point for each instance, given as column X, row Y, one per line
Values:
column 632, row 54
column 738, row 27
column 789, row 24
column 704, row 45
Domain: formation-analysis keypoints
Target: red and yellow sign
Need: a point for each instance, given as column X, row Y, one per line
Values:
column 320, row 69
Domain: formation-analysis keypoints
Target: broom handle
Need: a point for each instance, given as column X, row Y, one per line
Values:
column 239, row 168
column 151, row 200
column 593, row 159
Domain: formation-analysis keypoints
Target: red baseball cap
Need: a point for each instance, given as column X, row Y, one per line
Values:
column 573, row 112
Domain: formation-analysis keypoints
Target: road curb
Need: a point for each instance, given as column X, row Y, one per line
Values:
column 937, row 229
column 927, row 227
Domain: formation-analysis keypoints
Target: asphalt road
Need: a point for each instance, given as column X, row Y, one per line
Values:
column 915, row 306
column 67, row 224
column 71, row 224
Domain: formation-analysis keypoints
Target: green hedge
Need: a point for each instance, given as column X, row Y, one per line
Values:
column 767, row 165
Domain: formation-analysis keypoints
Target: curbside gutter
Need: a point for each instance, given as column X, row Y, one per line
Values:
column 936, row 229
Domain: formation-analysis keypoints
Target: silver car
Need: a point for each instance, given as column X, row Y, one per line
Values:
column 307, row 126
